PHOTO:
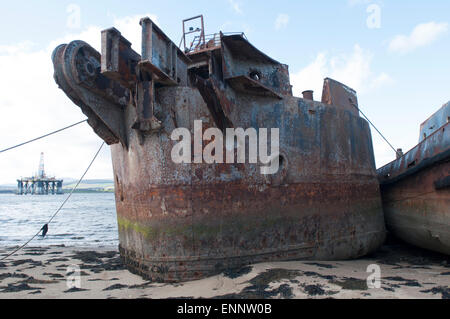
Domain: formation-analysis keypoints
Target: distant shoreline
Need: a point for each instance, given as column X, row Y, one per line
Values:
column 67, row 191
column 87, row 186
column 88, row 191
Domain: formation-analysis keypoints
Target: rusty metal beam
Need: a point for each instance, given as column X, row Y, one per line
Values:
column 118, row 60
column 338, row 94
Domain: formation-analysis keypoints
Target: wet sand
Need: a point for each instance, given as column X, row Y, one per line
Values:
column 406, row 272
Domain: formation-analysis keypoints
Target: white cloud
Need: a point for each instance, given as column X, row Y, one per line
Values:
column 31, row 104
column 422, row 35
column 310, row 77
column 352, row 69
column 236, row 6
column 128, row 26
column 380, row 80
column 17, row 48
column 131, row 30
column 281, row 21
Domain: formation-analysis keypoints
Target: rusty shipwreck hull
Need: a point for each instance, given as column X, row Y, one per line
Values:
column 416, row 188
column 186, row 221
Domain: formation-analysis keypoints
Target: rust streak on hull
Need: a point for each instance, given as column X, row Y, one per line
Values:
column 186, row 221
column 416, row 192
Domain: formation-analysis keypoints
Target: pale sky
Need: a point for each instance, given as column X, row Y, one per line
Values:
column 394, row 53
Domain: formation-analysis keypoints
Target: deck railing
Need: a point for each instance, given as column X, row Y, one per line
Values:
column 210, row 41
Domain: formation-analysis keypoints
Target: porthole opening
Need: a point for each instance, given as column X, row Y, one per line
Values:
column 255, row 75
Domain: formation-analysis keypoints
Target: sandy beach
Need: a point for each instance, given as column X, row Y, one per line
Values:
column 51, row 272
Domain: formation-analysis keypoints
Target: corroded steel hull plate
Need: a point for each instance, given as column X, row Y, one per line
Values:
column 415, row 189
column 186, row 221
column 418, row 213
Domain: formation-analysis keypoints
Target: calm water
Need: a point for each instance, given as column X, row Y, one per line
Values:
column 85, row 220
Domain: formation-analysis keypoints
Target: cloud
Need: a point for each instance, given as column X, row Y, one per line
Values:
column 16, row 49
column 236, row 6
column 281, row 21
column 311, row 76
column 128, row 26
column 352, row 69
column 422, row 35
column 32, row 105
column 131, row 30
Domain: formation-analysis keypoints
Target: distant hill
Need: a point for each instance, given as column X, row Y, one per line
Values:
column 98, row 181
column 91, row 185
column 7, row 189
column 8, row 186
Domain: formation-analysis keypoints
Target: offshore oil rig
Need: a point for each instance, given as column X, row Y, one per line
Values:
column 40, row 184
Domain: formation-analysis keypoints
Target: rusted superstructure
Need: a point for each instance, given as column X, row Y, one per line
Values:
column 416, row 187
column 186, row 221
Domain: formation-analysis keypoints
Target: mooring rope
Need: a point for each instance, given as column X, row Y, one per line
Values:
column 60, row 207
column 373, row 125
column 38, row 138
